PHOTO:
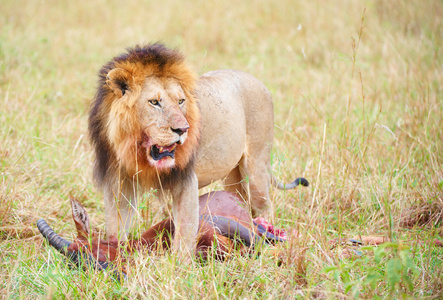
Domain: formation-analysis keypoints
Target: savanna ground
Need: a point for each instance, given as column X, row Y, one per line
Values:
column 358, row 102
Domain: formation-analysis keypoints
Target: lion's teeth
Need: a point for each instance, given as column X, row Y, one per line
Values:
column 173, row 148
column 161, row 150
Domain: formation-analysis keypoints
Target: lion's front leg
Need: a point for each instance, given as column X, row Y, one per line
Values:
column 120, row 202
column 185, row 214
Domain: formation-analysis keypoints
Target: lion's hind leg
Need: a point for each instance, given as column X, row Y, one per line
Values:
column 250, row 180
column 259, row 184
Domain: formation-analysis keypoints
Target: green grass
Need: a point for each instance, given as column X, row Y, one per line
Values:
column 358, row 103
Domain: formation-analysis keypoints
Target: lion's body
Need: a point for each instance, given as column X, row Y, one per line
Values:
column 236, row 134
column 153, row 125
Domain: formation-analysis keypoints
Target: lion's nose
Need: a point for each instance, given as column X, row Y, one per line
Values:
column 180, row 131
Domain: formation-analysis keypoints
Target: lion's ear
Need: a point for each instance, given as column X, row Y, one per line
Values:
column 119, row 80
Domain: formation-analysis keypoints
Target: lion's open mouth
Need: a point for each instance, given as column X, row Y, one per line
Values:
column 158, row 152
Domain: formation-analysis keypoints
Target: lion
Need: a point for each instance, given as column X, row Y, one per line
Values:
column 155, row 124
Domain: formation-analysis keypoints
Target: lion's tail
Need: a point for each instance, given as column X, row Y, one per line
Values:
column 282, row 186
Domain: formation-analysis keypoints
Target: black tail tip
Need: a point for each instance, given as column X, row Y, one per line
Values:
column 302, row 181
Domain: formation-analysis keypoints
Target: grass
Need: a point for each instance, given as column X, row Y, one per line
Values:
column 357, row 88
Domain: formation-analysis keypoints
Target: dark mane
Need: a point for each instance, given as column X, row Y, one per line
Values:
column 153, row 54
column 177, row 175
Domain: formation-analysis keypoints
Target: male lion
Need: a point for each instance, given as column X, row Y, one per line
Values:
column 155, row 124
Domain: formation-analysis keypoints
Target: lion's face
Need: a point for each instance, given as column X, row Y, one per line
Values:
column 161, row 111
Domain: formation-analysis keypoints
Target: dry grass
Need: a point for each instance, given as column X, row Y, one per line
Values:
column 358, row 96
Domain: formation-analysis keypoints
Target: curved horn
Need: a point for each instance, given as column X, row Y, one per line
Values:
column 233, row 230
column 78, row 258
column 299, row 181
column 268, row 236
column 53, row 238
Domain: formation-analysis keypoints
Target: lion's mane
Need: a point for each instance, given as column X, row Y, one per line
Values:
column 114, row 129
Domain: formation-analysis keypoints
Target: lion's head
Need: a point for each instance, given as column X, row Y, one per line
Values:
column 144, row 118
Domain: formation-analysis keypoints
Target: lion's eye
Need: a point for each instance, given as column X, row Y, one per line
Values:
column 154, row 102
column 181, row 101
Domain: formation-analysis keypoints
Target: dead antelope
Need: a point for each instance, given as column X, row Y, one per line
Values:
column 225, row 224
